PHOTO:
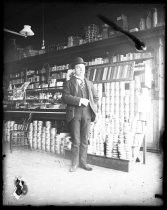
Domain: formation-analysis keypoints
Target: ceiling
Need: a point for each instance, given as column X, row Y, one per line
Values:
column 64, row 19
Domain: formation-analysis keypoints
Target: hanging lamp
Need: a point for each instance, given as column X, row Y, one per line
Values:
column 26, row 31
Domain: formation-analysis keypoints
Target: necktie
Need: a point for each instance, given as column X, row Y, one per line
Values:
column 82, row 84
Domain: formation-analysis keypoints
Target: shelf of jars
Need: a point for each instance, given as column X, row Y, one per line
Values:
column 113, row 41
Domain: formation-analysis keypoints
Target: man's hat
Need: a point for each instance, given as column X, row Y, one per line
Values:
column 76, row 61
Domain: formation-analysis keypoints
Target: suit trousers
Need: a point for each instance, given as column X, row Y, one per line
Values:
column 79, row 130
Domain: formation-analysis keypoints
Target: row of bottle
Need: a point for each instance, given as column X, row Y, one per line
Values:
column 150, row 21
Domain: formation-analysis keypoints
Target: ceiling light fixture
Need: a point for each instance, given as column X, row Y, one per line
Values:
column 26, row 31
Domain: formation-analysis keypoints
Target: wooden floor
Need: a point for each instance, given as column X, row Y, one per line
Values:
column 50, row 182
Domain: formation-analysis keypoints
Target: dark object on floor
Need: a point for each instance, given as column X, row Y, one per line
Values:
column 137, row 159
column 21, row 187
column 140, row 46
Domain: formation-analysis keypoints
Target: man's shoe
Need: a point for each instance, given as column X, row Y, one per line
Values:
column 73, row 168
column 86, row 167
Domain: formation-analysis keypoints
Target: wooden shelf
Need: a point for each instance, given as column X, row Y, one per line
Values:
column 113, row 80
column 119, row 43
column 38, row 114
column 45, row 89
column 118, row 62
column 57, row 71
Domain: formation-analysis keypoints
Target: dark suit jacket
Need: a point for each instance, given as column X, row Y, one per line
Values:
column 71, row 98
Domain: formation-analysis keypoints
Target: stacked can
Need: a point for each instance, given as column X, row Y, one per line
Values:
column 9, row 127
column 52, row 140
column 47, row 141
column 90, row 138
column 116, row 125
column 112, row 95
column 126, row 105
column 62, row 145
column 103, row 106
column 99, row 92
column 30, row 134
column 116, row 100
column 112, row 128
column 121, row 146
column 57, row 144
column 95, row 138
column 91, row 33
column 99, row 146
column 136, row 94
column 115, row 146
column 34, row 140
column 39, row 134
column 121, row 100
column 128, row 145
column 93, row 146
column 43, row 138
column 131, row 100
column 109, row 145
column 107, row 102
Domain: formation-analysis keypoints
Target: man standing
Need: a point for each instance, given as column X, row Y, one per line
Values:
column 81, row 98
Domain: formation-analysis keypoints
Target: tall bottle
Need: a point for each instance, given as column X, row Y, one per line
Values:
column 148, row 20
column 155, row 17
column 142, row 24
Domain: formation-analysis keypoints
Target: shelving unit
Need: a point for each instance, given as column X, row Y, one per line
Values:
column 103, row 48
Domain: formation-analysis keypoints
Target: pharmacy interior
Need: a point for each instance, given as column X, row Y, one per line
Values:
column 129, row 83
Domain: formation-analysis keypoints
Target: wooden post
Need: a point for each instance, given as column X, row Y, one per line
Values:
column 144, row 146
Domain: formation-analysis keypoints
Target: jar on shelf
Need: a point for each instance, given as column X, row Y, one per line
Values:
column 155, row 17
column 105, row 31
column 142, row 25
column 149, row 20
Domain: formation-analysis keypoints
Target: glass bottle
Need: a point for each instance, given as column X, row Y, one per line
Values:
column 155, row 17
column 148, row 20
column 142, row 24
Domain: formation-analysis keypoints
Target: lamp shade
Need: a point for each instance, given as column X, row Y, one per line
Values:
column 26, row 31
